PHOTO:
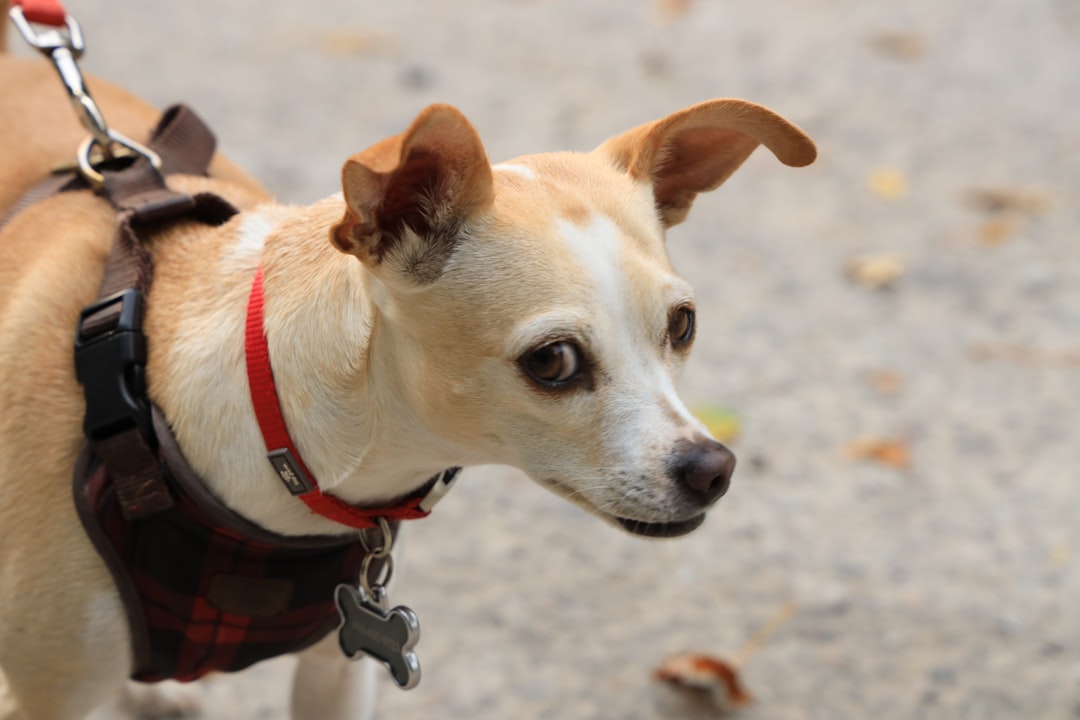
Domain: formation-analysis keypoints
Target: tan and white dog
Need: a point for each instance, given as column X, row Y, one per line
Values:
column 441, row 311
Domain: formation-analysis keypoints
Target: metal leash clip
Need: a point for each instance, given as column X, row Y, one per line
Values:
column 64, row 46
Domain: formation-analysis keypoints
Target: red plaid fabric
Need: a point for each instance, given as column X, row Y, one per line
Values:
column 202, row 596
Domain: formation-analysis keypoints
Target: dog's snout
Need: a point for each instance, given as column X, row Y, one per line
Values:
column 704, row 468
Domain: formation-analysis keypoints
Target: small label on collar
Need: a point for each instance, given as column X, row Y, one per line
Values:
column 290, row 472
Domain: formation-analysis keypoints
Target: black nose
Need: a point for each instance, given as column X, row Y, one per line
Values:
column 704, row 468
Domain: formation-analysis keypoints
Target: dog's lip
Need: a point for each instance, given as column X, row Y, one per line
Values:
column 670, row 529
column 641, row 528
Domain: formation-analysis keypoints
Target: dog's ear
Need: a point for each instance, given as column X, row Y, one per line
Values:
column 696, row 149
column 408, row 196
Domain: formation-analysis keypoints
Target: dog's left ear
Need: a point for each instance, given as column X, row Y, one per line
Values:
column 408, row 196
column 698, row 148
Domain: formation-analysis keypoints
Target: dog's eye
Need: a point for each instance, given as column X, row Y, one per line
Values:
column 681, row 326
column 553, row 364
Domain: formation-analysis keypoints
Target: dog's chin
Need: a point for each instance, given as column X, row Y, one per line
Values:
column 672, row 529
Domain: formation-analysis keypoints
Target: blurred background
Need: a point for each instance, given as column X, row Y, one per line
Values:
column 889, row 340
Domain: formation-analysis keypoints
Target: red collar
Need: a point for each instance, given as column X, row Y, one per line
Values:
column 283, row 454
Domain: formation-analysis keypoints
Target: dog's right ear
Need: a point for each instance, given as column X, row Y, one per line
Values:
column 408, row 196
column 699, row 147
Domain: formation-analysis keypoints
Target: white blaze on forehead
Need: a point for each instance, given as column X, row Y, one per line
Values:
column 596, row 245
column 521, row 170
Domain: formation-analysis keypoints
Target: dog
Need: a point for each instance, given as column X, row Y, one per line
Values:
column 440, row 311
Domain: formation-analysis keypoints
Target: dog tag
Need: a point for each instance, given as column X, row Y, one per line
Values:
column 369, row 628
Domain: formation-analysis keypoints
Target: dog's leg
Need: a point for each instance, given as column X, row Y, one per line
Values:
column 58, row 690
column 63, row 631
column 161, row 700
column 329, row 686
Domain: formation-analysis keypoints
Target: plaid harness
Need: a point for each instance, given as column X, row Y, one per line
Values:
column 204, row 589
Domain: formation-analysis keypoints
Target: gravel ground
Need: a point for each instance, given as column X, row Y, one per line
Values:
column 935, row 577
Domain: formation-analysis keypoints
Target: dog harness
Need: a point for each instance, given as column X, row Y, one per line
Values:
column 203, row 589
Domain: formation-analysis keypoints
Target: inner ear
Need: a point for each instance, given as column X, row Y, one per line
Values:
column 696, row 149
column 408, row 196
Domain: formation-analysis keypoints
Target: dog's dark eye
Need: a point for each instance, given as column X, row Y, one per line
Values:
column 553, row 364
column 681, row 326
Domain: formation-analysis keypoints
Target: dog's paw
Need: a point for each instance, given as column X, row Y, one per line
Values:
column 162, row 700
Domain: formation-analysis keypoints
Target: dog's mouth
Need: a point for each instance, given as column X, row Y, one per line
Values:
column 641, row 528
column 661, row 529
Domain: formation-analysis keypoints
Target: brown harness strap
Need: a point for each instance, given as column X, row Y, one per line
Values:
column 52, row 185
column 110, row 348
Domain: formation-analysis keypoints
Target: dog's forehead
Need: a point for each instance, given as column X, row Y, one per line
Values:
column 577, row 189
column 571, row 243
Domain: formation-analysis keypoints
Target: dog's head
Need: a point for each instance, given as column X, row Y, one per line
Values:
column 537, row 318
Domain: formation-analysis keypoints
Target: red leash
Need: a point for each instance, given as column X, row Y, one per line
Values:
column 43, row 12
column 280, row 448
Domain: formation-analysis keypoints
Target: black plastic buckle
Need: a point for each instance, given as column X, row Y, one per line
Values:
column 110, row 363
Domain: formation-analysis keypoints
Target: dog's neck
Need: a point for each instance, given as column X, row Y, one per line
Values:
column 340, row 381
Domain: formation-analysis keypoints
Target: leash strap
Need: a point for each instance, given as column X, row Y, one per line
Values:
column 43, row 12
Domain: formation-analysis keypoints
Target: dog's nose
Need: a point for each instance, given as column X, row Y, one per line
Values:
column 704, row 468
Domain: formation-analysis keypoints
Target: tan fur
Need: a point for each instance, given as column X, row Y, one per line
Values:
column 390, row 368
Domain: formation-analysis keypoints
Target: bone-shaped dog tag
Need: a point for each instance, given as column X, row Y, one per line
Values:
column 368, row 628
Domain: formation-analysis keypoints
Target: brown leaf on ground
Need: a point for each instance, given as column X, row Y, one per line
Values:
column 886, row 382
column 1008, row 209
column 997, row 230
column 876, row 271
column 897, row 45
column 1025, row 355
column 1008, row 200
column 888, row 184
column 703, row 684
column 358, row 43
column 891, row 452
column 674, row 9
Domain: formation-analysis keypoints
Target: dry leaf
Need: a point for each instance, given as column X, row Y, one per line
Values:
column 997, row 230
column 876, row 271
column 888, row 184
column 1008, row 208
column 352, row 43
column 1025, row 355
column 897, row 45
column 697, row 684
column 1008, row 200
column 702, row 684
column 722, row 423
column 894, row 453
column 886, row 382
column 674, row 9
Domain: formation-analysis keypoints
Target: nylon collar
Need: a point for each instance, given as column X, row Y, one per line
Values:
column 282, row 452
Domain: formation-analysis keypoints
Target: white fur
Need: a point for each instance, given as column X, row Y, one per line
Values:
column 253, row 230
column 519, row 170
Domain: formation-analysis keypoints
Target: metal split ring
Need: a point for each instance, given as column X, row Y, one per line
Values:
column 373, row 586
column 380, row 550
column 114, row 139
